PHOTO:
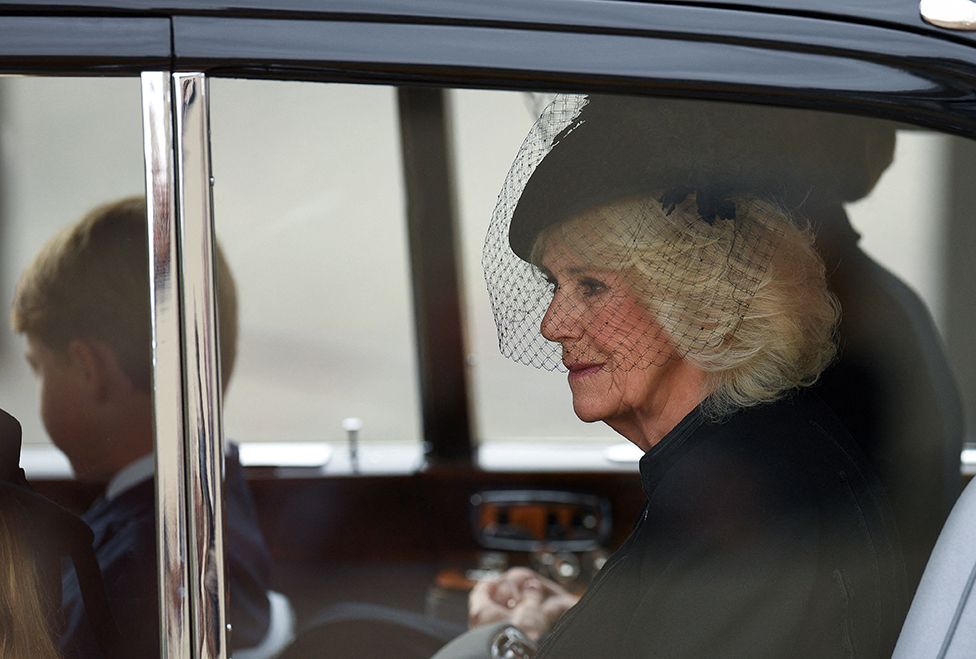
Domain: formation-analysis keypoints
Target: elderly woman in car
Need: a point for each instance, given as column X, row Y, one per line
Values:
column 690, row 310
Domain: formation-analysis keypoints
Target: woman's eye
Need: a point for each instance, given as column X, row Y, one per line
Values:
column 591, row 286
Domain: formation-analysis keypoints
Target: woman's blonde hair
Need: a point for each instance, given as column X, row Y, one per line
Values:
column 745, row 299
column 25, row 612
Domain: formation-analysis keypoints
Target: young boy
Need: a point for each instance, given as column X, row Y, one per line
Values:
column 83, row 305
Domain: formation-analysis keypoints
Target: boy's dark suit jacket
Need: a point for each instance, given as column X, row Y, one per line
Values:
column 125, row 545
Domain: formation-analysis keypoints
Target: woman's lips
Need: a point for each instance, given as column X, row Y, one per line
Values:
column 580, row 371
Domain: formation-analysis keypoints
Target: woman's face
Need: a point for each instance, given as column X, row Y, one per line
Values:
column 609, row 339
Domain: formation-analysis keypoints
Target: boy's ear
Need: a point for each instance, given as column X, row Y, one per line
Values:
column 96, row 365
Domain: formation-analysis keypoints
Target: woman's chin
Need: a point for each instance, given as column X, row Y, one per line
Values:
column 587, row 413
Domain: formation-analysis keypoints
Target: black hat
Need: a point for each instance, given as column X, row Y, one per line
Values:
column 626, row 146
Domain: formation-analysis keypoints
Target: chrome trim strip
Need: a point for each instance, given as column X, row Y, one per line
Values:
column 951, row 14
column 204, row 437
column 171, row 508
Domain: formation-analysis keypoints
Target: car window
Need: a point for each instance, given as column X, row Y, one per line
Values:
column 309, row 207
column 294, row 175
column 69, row 144
column 906, row 224
column 77, row 363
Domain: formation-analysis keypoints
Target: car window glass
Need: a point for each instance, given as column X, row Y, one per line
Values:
column 72, row 149
column 308, row 204
column 69, row 144
column 888, row 205
column 906, row 223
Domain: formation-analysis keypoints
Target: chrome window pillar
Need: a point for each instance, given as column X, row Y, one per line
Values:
column 186, row 382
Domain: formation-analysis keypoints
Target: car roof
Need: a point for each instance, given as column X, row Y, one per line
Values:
column 874, row 57
column 900, row 13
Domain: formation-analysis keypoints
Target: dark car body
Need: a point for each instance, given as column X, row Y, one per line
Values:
column 875, row 58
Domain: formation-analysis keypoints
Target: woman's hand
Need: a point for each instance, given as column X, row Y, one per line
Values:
column 522, row 597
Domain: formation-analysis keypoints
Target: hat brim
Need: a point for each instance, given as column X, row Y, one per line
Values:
column 619, row 147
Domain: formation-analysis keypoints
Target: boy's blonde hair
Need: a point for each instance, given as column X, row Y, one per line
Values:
column 91, row 281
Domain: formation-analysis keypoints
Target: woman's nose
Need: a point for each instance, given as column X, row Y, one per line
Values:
column 561, row 320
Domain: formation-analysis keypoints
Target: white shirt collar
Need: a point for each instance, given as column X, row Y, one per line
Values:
column 131, row 475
